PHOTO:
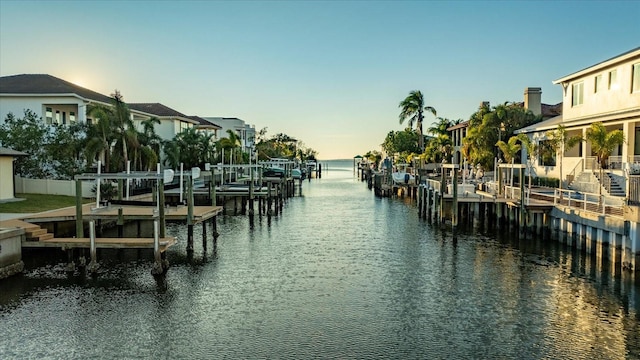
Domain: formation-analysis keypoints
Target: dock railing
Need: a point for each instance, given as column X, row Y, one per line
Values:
column 595, row 203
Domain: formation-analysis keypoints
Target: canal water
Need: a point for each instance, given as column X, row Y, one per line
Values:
column 339, row 274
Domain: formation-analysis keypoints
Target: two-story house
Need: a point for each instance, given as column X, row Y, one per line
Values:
column 607, row 92
column 55, row 100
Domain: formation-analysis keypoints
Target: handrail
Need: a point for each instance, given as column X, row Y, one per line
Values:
column 590, row 202
column 572, row 174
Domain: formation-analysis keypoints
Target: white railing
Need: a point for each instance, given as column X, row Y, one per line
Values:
column 433, row 184
column 591, row 163
column 615, row 162
column 595, row 203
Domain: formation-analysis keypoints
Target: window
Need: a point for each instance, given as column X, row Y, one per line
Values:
column 597, row 86
column 49, row 115
column 613, row 79
column 72, row 117
column 635, row 78
column 577, row 94
column 57, row 117
column 546, row 154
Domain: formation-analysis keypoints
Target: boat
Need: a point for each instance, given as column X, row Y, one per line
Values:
column 402, row 177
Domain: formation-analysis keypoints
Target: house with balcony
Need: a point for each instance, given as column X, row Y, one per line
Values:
column 172, row 121
column 246, row 133
column 55, row 100
column 607, row 92
column 207, row 127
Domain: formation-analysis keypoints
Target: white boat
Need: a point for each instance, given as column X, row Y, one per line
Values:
column 401, row 177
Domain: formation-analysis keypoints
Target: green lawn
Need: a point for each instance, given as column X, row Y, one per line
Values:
column 35, row 203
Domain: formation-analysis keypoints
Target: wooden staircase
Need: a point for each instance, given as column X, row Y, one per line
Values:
column 33, row 232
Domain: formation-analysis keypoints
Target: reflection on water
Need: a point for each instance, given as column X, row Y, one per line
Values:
column 340, row 274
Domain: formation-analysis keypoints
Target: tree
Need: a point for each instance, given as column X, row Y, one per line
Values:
column 412, row 108
column 489, row 125
column 28, row 135
column 560, row 141
column 438, row 148
column 603, row 142
column 440, row 127
column 532, row 151
column 509, row 151
column 403, row 143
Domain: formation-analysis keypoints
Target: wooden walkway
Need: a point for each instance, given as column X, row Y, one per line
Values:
column 89, row 212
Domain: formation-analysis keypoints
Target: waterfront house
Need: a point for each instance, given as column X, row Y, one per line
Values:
column 55, row 100
column 207, row 127
column 172, row 121
column 246, row 133
column 607, row 92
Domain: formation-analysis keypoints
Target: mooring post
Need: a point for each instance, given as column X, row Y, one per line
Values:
column 120, row 223
column 204, row 235
column 443, row 184
column 93, row 265
column 157, row 263
column 190, row 215
column 523, row 210
column 251, row 197
column 454, row 206
column 161, row 213
column 79, row 225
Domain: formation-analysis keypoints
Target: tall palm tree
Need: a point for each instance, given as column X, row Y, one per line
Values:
column 122, row 124
column 99, row 136
column 412, row 108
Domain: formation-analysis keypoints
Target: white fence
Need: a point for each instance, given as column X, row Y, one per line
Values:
column 52, row 187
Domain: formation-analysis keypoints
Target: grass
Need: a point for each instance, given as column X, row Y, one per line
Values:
column 36, row 203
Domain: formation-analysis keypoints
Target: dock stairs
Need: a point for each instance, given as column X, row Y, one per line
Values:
column 590, row 182
column 33, row 232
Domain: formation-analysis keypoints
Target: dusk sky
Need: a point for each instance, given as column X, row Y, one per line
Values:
column 329, row 73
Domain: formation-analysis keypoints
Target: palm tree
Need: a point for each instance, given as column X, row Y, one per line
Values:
column 229, row 143
column 412, row 108
column 602, row 142
column 532, row 150
column 509, row 151
column 122, row 124
column 440, row 128
column 560, row 141
column 99, row 136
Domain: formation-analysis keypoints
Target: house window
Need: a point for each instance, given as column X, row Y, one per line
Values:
column 597, row 86
column 49, row 115
column 635, row 78
column 57, row 117
column 72, row 117
column 577, row 94
column 613, row 79
column 547, row 154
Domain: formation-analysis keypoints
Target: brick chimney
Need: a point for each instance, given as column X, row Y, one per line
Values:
column 533, row 99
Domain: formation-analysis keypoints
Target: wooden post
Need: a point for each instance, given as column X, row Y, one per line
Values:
column 212, row 189
column 443, row 185
column 204, row 235
column 523, row 209
column 79, row 225
column 120, row 223
column 157, row 263
column 93, row 265
column 161, row 213
column 454, row 206
column 190, row 215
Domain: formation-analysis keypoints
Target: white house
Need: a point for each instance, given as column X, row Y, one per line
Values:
column 607, row 92
column 172, row 121
column 246, row 132
column 53, row 99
